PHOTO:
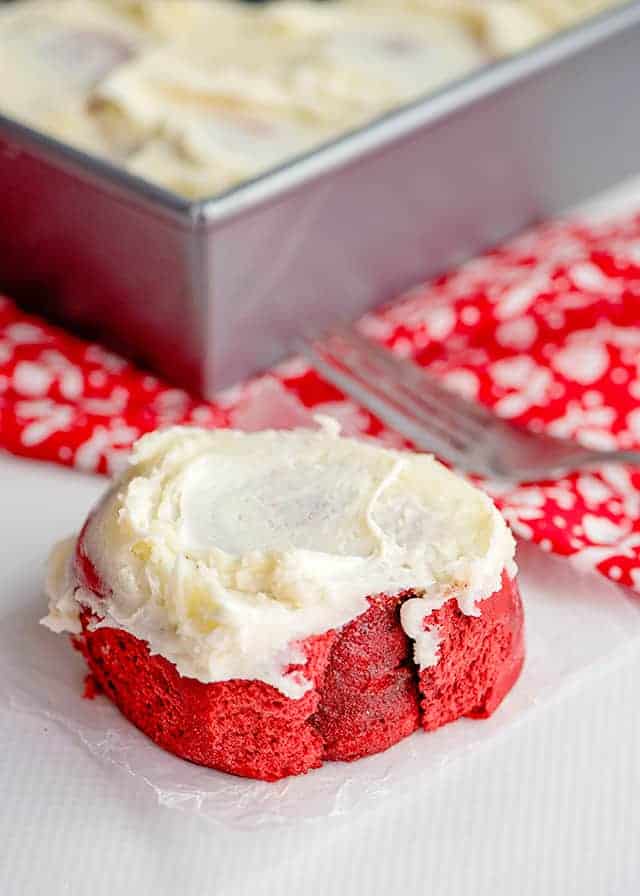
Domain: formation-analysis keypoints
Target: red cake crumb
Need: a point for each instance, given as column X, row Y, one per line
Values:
column 245, row 727
column 366, row 693
column 369, row 697
column 480, row 658
column 91, row 687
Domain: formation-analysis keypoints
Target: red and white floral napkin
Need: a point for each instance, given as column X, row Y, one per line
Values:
column 545, row 330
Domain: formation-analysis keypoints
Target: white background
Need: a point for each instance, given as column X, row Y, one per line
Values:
column 552, row 808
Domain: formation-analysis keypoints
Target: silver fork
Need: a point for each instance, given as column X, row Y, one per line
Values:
column 435, row 419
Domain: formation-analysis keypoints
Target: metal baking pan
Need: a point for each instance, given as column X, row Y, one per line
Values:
column 207, row 292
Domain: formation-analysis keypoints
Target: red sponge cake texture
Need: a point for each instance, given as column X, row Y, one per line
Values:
column 366, row 692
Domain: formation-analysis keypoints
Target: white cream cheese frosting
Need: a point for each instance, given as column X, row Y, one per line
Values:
column 223, row 549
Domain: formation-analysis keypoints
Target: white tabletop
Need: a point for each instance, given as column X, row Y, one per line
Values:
column 549, row 808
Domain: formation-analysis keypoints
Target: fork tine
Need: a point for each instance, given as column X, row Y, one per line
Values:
column 421, row 434
column 386, row 381
column 417, row 376
column 382, row 381
column 463, row 416
column 408, row 400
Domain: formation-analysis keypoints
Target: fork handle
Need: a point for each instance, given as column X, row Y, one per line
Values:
column 614, row 457
column 623, row 457
column 604, row 457
column 581, row 460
